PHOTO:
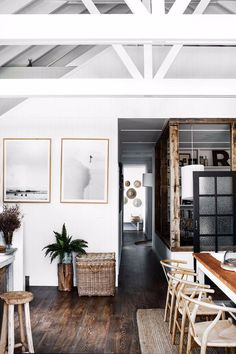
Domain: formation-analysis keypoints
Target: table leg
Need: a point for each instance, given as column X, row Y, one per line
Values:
column 201, row 275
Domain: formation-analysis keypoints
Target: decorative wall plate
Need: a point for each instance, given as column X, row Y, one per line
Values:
column 127, row 183
column 137, row 202
column 131, row 193
column 137, row 183
column 125, row 200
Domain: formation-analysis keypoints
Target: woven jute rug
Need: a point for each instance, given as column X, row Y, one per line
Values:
column 154, row 335
column 153, row 332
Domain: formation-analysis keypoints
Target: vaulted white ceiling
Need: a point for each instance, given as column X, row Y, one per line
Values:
column 110, row 61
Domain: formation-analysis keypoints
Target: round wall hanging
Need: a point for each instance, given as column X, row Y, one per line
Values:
column 137, row 202
column 125, row 200
column 131, row 193
column 127, row 183
column 137, row 184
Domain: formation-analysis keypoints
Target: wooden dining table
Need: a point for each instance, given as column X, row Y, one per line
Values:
column 210, row 266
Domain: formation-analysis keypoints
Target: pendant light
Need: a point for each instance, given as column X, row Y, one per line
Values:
column 187, row 175
column 147, row 179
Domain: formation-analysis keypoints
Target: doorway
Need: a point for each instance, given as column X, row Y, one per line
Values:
column 134, row 205
column 137, row 140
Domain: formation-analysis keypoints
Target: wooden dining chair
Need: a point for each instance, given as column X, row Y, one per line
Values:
column 216, row 333
column 173, row 266
column 179, row 318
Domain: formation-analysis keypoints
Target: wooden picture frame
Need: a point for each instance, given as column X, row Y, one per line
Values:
column 26, row 170
column 84, row 170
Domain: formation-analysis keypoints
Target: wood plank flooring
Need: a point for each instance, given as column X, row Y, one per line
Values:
column 66, row 323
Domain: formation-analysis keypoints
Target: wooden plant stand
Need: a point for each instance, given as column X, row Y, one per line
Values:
column 65, row 276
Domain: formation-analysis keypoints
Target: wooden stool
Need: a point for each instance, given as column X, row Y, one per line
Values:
column 11, row 299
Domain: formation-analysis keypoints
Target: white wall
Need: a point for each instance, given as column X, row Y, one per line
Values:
column 65, row 117
column 96, row 223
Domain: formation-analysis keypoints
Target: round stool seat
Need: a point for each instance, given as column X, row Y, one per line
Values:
column 17, row 297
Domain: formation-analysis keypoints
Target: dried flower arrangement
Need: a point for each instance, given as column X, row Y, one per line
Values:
column 10, row 220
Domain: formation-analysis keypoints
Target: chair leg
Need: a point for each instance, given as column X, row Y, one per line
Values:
column 3, row 340
column 171, row 311
column 189, row 344
column 22, row 330
column 11, row 334
column 166, row 306
column 203, row 349
column 173, row 337
column 181, row 340
column 28, row 328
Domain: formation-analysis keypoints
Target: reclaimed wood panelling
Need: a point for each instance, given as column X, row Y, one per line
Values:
column 157, row 189
column 233, row 146
column 164, row 188
column 202, row 120
column 174, row 186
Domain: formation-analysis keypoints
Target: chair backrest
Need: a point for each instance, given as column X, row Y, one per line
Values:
column 173, row 265
column 180, row 284
column 197, row 302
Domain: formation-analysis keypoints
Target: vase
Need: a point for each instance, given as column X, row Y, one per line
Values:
column 67, row 258
column 8, row 238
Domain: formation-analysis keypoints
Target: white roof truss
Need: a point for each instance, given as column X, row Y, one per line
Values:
column 148, row 25
column 137, row 7
column 119, row 49
column 174, row 51
column 118, row 87
column 123, row 29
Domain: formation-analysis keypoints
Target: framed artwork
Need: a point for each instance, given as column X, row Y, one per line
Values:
column 84, row 170
column 27, row 170
column 183, row 159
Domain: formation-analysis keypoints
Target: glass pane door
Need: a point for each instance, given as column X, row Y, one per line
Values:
column 214, row 210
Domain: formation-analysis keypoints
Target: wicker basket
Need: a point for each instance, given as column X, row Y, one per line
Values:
column 96, row 274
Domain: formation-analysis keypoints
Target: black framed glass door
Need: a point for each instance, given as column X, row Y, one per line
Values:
column 214, row 210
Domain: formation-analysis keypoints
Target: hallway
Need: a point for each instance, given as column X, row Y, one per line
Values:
column 100, row 324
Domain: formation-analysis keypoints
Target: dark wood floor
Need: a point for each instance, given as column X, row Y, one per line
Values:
column 66, row 323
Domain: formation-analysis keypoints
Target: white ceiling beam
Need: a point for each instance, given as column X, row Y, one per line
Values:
column 33, row 72
column 158, row 7
column 178, row 7
column 174, row 51
column 42, row 7
column 118, row 87
column 127, row 61
column 33, row 52
column 10, row 52
column 136, row 7
column 201, row 7
column 103, row 29
column 148, row 5
column 119, row 49
column 168, row 61
column 148, row 61
column 84, row 59
column 13, row 6
column 91, row 7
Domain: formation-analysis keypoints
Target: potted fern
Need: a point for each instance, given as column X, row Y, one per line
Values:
column 62, row 249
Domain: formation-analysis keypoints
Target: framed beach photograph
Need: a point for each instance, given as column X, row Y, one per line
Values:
column 84, row 170
column 27, row 170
